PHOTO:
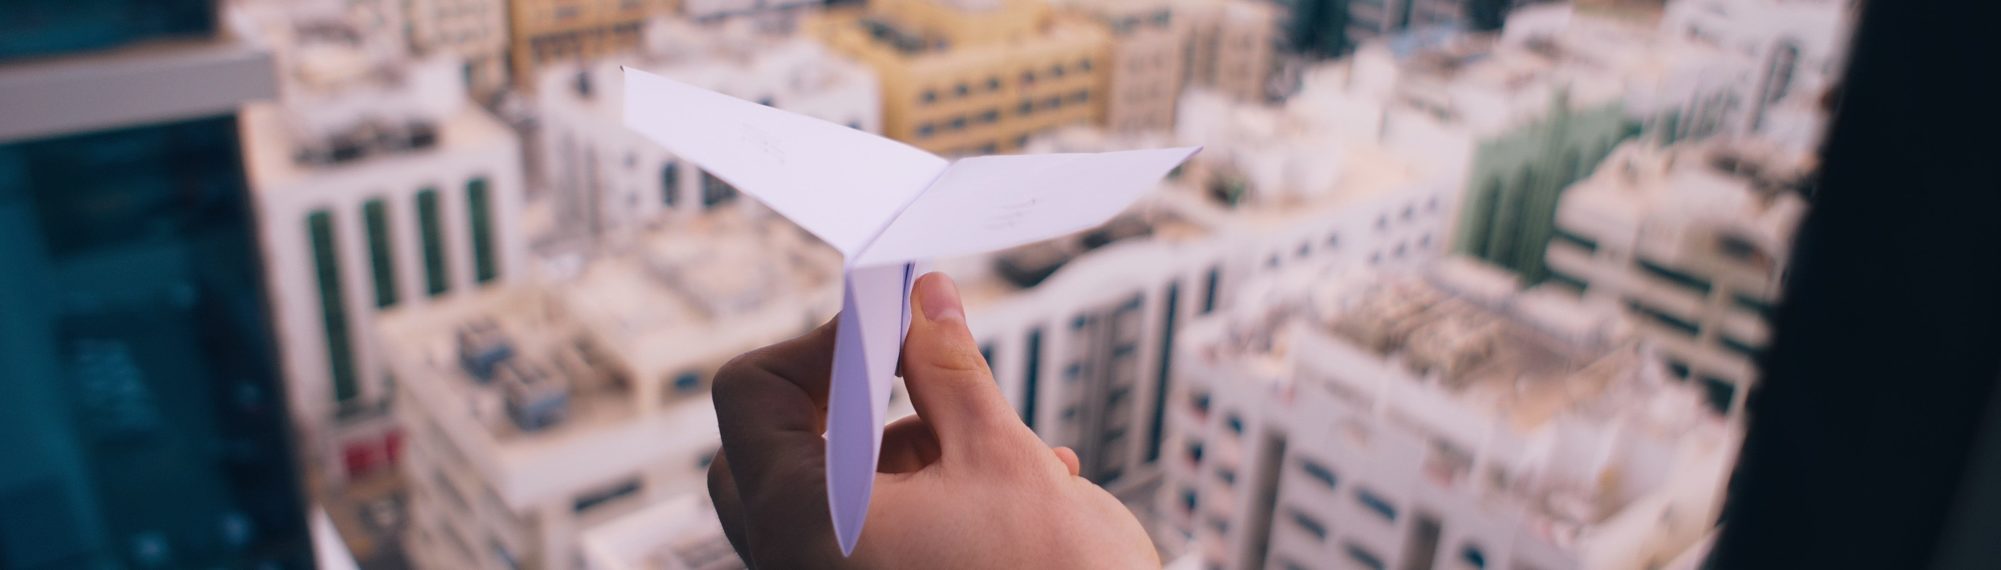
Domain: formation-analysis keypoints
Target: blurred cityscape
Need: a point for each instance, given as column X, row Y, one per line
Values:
column 1455, row 284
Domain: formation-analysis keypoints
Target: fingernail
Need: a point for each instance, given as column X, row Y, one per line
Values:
column 938, row 297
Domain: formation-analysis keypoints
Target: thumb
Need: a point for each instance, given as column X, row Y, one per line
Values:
column 948, row 380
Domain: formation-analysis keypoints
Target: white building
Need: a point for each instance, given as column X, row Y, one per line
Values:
column 681, row 533
column 540, row 415
column 1079, row 330
column 1797, row 47
column 472, row 31
column 607, row 179
column 1694, row 240
column 1437, row 419
column 376, row 186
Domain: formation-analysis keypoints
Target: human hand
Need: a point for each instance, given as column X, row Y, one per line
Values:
column 961, row 484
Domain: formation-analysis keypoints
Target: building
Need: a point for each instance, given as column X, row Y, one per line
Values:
column 778, row 15
column 1694, row 240
column 377, row 185
column 142, row 411
column 607, row 179
column 1796, row 46
column 544, row 32
column 471, row 31
column 1435, row 419
column 540, row 414
column 1230, row 46
column 976, row 76
column 1146, row 62
column 1079, row 330
column 1371, row 19
column 681, row 533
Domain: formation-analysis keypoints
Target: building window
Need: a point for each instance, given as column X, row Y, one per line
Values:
column 1376, row 504
column 958, row 123
column 1056, row 70
column 1577, row 285
column 1195, row 453
column 1188, row 500
column 1752, row 304
column 485, row 264
column 1587, row 244
column 927, row 97
column 1678, row 368
column 1742, row 348
column 1235, row 423
column 715, row 191
column 1025, row 108
column 1053, row 102
column 1080, row 96
column 586, row 502
column 381, row 255
column 1163, row 372
column 924, row 130
column 1721, row 393
column 993, row 83
column 333, row 313
column 1473, row 556
column 1662, row 318
column 1363, row 557
column 1084, row 64
column 670, row 184
column 1209, row 292
column 1318, row 472
column 990, row 116
column 687, row 382
column 1030, row 376
column 1227, row 475
column 436, row 280
column 1309, row 524
column 1028, row 77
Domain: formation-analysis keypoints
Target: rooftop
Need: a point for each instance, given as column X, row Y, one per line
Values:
column 1527, row 382
column 530, row 382
column 1738, row 187
column 681, row 533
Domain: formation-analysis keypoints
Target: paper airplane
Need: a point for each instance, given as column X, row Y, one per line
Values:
column 885, row 206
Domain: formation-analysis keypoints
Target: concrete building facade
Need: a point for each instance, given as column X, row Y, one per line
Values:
column 1437, row 419
column 1693, row 240
column 607, row 180
column 472, row 31
column 544, row 32
column 976, row 76
column 1231, row 46
column 1146, row 63
column 541, row 415
column 376, row 186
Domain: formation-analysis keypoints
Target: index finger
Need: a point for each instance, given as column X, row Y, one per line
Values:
column 771, row 406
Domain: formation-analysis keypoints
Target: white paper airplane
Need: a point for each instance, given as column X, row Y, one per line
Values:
column 885, row 206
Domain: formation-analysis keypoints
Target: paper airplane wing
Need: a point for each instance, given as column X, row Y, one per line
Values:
column 991, row 202
column 840, row 183
column 866, row 346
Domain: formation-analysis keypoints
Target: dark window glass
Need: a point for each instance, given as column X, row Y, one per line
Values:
column 1575, row 283
column 1742, row 348
column 52, row 27
column 1318, row 472
column 436, row 280
column 1585, row 243
column 1685, row 279
column 1375, row 503
column 1030, row 376
column 1473, row 556
column 670, row 183
column 715, row 191
column 1163, row 372
column 595, row 499
column 1309, row 524
column 1664, row 319
column 1363, row 557
column 1720, row 392
column 687, row 382
column 1209, row 292
column 485, row 263
column 381, row 255
column 333, row 313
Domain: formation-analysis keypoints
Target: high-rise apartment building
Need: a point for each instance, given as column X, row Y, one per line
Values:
column 1795, row 46
column 142, row 411
column 472, row 31
column 377, row 185
column 541, row 413
column 1371, row 19
column 606, row 179
column 976, row 76
column 1693, row 240
column 1146, row 63
column 1231, row 46
column 1436, row 419
column 544, row 32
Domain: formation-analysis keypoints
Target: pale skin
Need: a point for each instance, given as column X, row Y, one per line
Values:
column 962, row 484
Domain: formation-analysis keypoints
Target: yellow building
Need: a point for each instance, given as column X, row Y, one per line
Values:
column 545, row 31
column 975, row 76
